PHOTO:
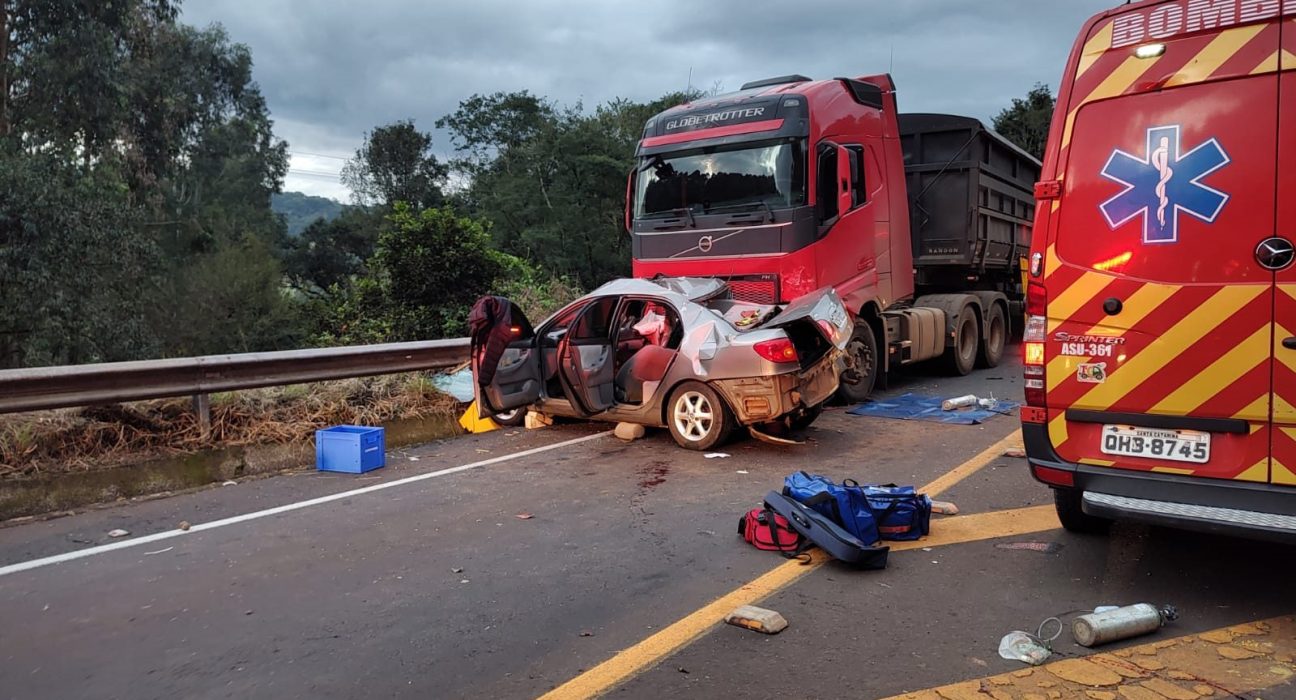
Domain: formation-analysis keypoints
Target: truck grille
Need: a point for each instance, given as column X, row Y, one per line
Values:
column 756, row 289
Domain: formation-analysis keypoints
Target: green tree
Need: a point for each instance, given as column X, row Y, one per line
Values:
column 1026, row 122
column 396, row 164
column 330, row 253
column 428, row 268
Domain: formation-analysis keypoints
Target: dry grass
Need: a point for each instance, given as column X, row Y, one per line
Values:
column 105, row 436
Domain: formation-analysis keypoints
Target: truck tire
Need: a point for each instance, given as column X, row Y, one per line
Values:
column 511, row 418
column 802, row 420
column 857, row 383
column 961, row 357
column 1073, row 517
column 698, row 418
column 994, row 338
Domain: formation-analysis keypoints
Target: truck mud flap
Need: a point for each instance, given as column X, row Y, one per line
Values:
column 826, row 534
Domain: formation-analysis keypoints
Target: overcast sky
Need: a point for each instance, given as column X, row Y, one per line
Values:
column 332, row 70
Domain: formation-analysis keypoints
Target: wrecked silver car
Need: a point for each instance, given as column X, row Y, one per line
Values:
column 679, row 353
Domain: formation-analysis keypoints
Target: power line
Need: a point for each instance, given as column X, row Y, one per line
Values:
column 315, row 173
column 317, row 155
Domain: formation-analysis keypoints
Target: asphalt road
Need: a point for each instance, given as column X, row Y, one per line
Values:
column 436, row 587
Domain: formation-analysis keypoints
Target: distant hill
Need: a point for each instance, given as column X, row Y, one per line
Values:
column 301, row 210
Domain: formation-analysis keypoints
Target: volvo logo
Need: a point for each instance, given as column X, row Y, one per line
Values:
column 705, row 243
column 1275, row 253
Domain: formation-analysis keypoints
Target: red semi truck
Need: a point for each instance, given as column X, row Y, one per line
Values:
column 921, row 222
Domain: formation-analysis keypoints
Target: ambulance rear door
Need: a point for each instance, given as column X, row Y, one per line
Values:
column 1159, row 348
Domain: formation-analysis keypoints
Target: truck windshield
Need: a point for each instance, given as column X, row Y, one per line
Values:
column 767, row 174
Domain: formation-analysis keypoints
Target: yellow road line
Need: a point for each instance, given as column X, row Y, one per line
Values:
column 966, row 528
column 1235, row 661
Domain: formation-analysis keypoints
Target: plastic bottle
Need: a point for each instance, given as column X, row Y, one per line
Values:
column 1122, row 623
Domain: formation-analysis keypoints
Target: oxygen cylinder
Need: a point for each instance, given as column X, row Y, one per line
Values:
column 1122, row 623
column 960, row 402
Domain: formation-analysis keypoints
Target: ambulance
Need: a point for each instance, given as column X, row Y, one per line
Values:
column 1160, row 344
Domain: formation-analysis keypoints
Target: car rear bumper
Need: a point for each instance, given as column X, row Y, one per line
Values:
column 1255, row 510
column 763, row 399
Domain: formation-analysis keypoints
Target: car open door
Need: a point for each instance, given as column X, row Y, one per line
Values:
column 585, row 358
column 514, row 380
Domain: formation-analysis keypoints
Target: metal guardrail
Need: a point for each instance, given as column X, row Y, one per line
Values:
column 43, row 388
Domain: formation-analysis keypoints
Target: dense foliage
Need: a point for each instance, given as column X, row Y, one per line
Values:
column 1026, row 121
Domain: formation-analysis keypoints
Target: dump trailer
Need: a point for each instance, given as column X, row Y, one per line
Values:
column 921, row 222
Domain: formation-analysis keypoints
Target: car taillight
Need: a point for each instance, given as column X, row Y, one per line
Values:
column 1054, row 477
column 1033, row 359
column 780, row 350
column 830, row 331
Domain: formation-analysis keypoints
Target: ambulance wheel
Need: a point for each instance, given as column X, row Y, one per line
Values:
column 857, row 382
column 961, row 357
column 994, row 339
column 1073, row 517
column 698, row 418
column 511, row 418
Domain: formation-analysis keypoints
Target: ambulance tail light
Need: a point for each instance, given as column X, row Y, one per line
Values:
column 1054, row 477
column 1036, row 299
column 1033, row 359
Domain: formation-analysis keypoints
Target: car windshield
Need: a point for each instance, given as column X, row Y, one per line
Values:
column 768, row 174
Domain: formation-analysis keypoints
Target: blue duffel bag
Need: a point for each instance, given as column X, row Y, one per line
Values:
column 900, row 511
column 870, row 512
column 845, row 506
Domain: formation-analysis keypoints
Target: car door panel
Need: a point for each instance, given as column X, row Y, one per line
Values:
column 517, row 379
column 585, row 358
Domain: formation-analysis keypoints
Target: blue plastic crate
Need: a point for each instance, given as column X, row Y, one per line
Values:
column 352, row 449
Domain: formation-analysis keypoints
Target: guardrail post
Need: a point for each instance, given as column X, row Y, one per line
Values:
column 202, row 409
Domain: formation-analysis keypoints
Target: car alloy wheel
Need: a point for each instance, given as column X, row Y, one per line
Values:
column 694, row 416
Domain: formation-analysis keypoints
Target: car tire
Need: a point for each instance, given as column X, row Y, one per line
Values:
column 697, row 417
column 511, row 418
column 1073, row 517
column 994, row 339
column 864, row 353
column 961, row 357
column 804, row 418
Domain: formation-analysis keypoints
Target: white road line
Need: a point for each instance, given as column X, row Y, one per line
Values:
column 91, row 551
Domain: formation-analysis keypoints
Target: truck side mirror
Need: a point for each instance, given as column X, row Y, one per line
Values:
column 845, row 197
column 629, row 200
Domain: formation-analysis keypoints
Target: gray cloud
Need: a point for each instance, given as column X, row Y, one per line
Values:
column 331, row 70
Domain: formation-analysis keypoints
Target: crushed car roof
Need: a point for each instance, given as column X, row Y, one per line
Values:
column 691, row 288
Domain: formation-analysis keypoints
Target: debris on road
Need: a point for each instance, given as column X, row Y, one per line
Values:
column 535, row 421
column 457, row 570
column 758, row 619
column 1122, row 623
column 118, row 533
column 412, row 458
column 742, row 471
column 231, row 482
column 1017, row 452
column 160, row 551
column 765, row 437
column 524, row 516
column 629, row 431
column 1020, row 646
column 960, row 402
column 184, row 525
column 944, row 508
column 1045, row 547
column 716, row 455
column 586, row 633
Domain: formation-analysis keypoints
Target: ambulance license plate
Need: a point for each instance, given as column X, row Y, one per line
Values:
column 1156, row 443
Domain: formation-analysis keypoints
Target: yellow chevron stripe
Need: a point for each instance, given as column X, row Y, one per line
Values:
column 1269, row 65
column 1282, row 354
column 1117, row 83
column 1229, row 368
column 1223, row 47
column 1081, row 291
column 1289, row 290
column 1257, row 410
column 1192, row 328
column 1094, row 49
column 1172, row 470
column 1289, row 58
column 1256, row 472
column 1097, row 462
column 1137, row 307
column 1283, row 410
column 1058, row 430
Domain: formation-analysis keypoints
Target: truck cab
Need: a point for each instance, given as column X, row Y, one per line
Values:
column 792, row 184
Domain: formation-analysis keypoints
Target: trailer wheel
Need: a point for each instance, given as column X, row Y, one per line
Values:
column 961, row 357
column 994, row 339
column 857, row 382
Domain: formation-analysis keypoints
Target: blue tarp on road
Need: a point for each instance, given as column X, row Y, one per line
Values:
column 928, row 408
